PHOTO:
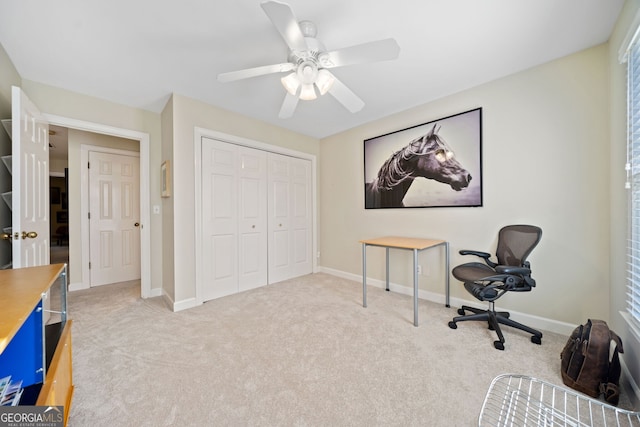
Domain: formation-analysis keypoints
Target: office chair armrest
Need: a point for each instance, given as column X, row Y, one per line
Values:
column 484, row 255
column 512, row 269
column 510, row 282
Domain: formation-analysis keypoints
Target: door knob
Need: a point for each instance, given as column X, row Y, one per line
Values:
column 6, row 236
column 137, row 224
column 30, row 234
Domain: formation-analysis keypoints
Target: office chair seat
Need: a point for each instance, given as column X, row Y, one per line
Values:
column 490, row 280
column 472, row 271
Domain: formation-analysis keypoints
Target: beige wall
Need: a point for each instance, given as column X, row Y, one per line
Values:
column 618, row 195
column 58, row 165
column 545, row 161
column 167, row 205
column 8, row 77
column 188, row 114
column 71, row 105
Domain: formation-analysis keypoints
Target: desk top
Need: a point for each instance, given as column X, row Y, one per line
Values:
column 20, row 291
column 403, row 242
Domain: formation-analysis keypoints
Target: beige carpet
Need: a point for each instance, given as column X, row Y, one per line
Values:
column 299, row 353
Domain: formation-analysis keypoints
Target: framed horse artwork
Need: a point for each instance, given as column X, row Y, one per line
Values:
column 435, row 164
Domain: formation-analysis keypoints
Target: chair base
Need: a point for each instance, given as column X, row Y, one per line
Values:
column 494, row 319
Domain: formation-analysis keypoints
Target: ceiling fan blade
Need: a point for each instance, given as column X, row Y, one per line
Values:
column 254, row 72
column 345, row 96
column 286, row 23
column 381, row 50
column 288, row 106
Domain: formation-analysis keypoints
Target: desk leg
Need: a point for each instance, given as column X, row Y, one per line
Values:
column 364, row 274
column 447, row 275
column 387, row 269
column 415, row 287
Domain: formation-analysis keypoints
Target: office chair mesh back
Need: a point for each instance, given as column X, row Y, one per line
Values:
column 515, row 243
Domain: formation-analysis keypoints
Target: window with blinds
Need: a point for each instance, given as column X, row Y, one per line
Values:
column 633, row 179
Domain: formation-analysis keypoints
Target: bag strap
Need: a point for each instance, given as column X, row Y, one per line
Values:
column 611, row 392
column 610, row 389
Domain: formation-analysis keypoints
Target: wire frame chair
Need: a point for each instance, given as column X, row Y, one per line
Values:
column 518, row 400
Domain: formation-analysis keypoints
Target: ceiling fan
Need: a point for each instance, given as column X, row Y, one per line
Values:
column 309, row 62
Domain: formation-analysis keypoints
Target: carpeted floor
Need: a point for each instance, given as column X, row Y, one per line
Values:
column 303, row 352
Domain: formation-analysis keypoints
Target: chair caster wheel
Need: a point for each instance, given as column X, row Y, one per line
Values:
column 453, row 325
column 536, row 339
column 461, row 312
column 499, row 345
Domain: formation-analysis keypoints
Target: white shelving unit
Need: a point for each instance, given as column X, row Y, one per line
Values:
column 7, row 162
column 7, row 196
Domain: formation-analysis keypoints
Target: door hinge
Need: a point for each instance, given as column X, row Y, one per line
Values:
column 89, row 215
column 88, row 165
column 89, row 265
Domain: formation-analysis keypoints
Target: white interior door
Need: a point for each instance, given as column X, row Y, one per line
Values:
column 279, row 196
column 301, row 217
column 114, row 217
column 30, row 183
column 256, row 218
column 290, row 217
column 252, row 226
column 234, row 210
column 219, row 219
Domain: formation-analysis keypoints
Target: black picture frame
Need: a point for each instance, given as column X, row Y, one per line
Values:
column 434, row 164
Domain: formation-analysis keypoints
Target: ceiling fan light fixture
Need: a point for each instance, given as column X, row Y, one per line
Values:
column 308, row 93
column 291, row 83
column 324, row 81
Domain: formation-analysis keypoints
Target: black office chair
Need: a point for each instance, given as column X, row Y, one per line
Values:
column 491, row 280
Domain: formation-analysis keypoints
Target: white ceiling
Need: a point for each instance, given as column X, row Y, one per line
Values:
column 138, row 52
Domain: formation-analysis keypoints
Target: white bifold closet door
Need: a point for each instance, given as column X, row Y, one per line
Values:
column 290, row 223
column 234, row 218
column 256, row 218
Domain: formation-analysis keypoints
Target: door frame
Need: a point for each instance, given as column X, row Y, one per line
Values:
column 199, row 133
column 145, row 214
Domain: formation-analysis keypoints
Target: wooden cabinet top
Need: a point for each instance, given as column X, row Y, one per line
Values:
column 20, row 291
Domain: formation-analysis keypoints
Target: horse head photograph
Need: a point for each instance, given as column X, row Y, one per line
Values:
column 448, row 176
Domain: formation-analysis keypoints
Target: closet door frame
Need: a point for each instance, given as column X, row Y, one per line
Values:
column 199, row 134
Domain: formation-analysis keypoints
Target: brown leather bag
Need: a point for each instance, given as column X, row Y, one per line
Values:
column 590, row 361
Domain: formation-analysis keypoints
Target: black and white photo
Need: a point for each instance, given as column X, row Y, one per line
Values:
column 435, row 164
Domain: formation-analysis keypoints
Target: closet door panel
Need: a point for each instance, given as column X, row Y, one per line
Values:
column 301, row 218
column 224, row 263
column 252, row 170
column 256, row 214
column 279, row 239
column 290, row 219
column 219, row 219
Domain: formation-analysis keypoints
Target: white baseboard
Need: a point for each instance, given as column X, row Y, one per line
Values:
column 155, row 292
column 78, row 286
column 179, row 305
column 537, row 322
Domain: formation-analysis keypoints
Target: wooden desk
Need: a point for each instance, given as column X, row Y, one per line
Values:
column 40, row 355
column 407, row 243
